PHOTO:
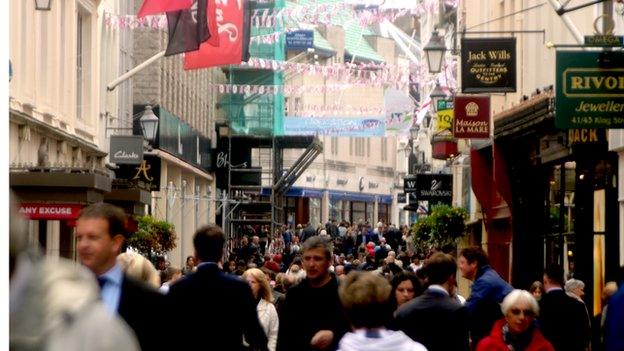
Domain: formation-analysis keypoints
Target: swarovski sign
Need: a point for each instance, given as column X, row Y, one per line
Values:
column 434, row 187
column 126, row 149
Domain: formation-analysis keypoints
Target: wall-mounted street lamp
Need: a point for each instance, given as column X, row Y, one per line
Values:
column 414, row 132
column 427, row 120
column 436, row 95
column 434, row 51
column 43, row 5
column 149, row 124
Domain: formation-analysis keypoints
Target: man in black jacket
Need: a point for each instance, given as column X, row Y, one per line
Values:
column 563, row 319
column 100, row 232
column 435, row 319
column 210, row 307
column 312, row 317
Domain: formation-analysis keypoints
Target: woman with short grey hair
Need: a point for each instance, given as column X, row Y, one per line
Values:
column 517, row 330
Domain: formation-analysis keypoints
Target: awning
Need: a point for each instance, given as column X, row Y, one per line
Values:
column 339, row 195
column 489, row 182
column 297, row 192
column 385, row 199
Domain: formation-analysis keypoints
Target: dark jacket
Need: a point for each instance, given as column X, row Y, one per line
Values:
column 307, row 233
column 564, row 321
column 435, row 320
column 210, row 308
column 496, row 342
column 142, row 308
column 483, row 304
column 307, row 310
column 614, row 324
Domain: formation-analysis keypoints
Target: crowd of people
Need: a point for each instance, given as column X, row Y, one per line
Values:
column 338, row 287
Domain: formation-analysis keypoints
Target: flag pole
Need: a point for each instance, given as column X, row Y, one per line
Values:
column 112, row 85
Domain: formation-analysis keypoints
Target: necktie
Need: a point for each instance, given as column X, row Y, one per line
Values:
column 101, row 281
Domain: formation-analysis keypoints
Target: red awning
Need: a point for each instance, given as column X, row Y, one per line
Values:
column 490, row 183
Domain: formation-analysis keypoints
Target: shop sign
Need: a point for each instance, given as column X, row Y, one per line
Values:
column 50, row 211
column 472, row 117
column 445, row 120
column 488, row 65
column 126, row 149
column 590, row 89
column 148, row 172
column 300, row 39
column 401, row 198
column 445, row 105
column 434, row 187
column 409, row 185
column 586, row 136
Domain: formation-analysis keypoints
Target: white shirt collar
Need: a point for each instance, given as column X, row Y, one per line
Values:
column 438, row 287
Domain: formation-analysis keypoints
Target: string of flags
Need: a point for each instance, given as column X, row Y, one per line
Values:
column 288, row 89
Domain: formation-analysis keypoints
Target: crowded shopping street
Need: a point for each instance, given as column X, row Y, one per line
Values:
column 352, row 175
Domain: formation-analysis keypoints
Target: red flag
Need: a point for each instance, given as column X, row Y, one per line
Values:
column 231, row 28
column 152, row 7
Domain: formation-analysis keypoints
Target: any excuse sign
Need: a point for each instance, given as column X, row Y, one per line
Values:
column 590, row 90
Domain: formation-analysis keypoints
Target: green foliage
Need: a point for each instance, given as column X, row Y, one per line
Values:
column 153, row 237
column 440, row 230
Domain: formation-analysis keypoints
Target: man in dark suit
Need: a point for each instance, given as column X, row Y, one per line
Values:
column 307, row 233
column 563, row 319
column 100, row 232
column 210, row 307
column 436, row 319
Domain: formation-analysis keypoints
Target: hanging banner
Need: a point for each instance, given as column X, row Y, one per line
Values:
column 400, row 110
column 488, row 65
column 472, row 117
column 126, row 149
column 231, row 28
column 147, row 172
column 590, row 89
column 335, row 126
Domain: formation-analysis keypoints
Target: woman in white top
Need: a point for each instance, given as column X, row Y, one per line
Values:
column 266, row 311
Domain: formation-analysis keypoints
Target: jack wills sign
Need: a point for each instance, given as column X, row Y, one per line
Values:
column 488, row 65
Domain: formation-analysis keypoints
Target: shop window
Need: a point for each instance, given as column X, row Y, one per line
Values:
column 83, row 61
column 335, row 210
column 315, row 211
column 358, row 211
column 382, row 214
column 370, row 209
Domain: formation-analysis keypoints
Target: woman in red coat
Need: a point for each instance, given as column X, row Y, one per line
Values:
column 517, row 331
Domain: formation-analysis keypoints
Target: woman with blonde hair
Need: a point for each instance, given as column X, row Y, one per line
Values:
column 267, row 315
column 140, row 268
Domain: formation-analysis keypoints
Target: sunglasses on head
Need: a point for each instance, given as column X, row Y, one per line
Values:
column 527, row 313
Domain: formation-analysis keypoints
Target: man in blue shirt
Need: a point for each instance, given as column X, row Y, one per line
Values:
column 487, row 292
column 100, row 231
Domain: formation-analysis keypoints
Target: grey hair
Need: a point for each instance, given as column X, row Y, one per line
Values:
column 516, row 296
column 573, row 284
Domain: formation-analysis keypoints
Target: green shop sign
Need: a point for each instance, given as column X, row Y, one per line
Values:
column 590, row 89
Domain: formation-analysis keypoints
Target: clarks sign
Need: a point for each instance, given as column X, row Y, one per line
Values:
column 590, row 89
column 488, row 65
column 126, row 149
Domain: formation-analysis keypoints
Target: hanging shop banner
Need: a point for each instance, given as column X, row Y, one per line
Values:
column 49, row 211
column 434, row 188
column 444, row 120
column 488, row 65
column 472, row 117
column 148, row 172
column 409, row 184
column 400, row 110
column 126, row 149
column 401, row 198
column 335, row 126
column 299, row 40
column 590, row 89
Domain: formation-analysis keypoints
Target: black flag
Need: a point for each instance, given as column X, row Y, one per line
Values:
column 187, row 28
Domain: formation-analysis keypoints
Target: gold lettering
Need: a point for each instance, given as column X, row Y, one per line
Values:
column 597, row 81
column 593, row 135
column 143, row 168
column 577, row 82
column 611, row 83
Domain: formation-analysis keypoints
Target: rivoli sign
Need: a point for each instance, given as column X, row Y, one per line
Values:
column 590, row 89
column 434, row 188
column 126, row 149
column 488, row 65
column 472, row 117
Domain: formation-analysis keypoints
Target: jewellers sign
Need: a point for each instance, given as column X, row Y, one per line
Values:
column 488, row 65
column 472, row 117
column 126, row 149
column 434, row 188
column 49, row 211
column 590, row 89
